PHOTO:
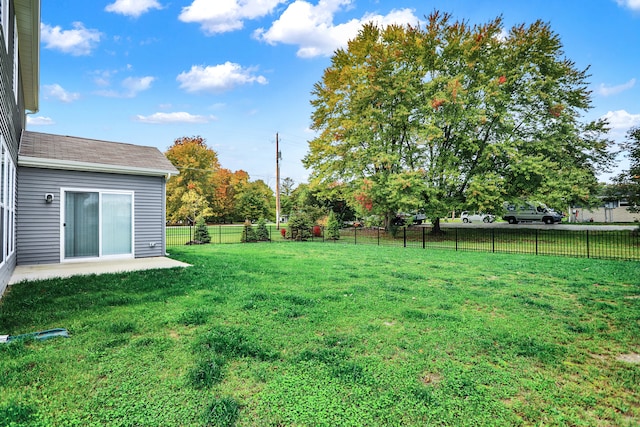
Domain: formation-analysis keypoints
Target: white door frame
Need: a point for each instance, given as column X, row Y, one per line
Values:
column 100, row 191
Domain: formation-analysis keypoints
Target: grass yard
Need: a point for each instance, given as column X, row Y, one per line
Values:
column 310, row 334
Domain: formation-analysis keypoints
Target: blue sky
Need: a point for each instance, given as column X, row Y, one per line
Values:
column 237, row 72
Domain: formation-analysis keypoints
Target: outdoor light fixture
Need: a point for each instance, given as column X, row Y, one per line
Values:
column 48, row 198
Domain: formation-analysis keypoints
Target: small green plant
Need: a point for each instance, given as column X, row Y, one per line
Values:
column 206, row 373
column 248, row 233
column 333, row 227
column 122, row 327
column 231, row 342
column 201, row 234
column 262, row 234
column 194, row 317
column 222, row 412
column 14, row 414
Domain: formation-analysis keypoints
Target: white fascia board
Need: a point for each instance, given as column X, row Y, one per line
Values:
column 35, row 162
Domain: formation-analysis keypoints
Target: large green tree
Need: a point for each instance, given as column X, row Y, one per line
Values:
column 451, row 116
column 225, row 186
column 255, row 200
column 188, row 190
column 627, row 183
column 205, row 189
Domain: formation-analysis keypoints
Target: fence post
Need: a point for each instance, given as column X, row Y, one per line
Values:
column 456, row 239
column 378, row 236
column 219, row 233
column 355, row 231
column 493, row 241
column 536, row 241
column 423, row 242
column 404, row 236
column 588, row 244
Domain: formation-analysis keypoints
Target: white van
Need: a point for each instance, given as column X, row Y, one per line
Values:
column 531, row 212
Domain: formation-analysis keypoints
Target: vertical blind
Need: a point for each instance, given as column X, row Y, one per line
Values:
column 97, row 224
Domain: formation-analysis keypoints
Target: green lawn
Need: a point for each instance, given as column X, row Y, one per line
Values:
column 311, row 334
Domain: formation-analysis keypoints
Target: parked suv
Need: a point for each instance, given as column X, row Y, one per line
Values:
column 530, row 212
column 471, row 217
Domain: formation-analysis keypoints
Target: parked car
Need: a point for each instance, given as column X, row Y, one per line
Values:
column 477, row 217
column 413, row 218
column 531, row 212
column 418, row 218
column 398, row 221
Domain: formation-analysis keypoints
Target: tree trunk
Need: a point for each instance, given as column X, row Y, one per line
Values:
column 388, row 220
column 435, row 227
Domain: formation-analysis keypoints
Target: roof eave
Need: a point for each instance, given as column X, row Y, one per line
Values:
column 35, row 162
column 28, row 18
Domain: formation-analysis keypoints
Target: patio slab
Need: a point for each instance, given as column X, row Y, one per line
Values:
column 68, row 269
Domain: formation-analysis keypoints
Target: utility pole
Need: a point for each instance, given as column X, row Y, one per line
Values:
column 278, row 156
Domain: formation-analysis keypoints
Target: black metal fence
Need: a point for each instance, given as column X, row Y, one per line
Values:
column 592, row 243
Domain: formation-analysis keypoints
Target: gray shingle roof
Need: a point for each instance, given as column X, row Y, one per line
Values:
column 73, row 153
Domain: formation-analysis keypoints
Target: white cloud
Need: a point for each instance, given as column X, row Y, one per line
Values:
column 132, row 86
column 40, row 121
column 621, row 121
column 631, row 4
column 177, row 117
column 78, row 41
column 103, row 77
column 218, row 78
column 133, row 8
column 58, row 92
column 606, row 90
column 221, row 16
column 312, row 28
column 137, row 84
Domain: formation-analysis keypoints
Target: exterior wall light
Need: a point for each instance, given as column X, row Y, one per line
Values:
column 48, row 198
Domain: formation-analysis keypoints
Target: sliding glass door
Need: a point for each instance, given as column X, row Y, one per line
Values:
column 97, row 224
column 81, row 228
column 116, row 224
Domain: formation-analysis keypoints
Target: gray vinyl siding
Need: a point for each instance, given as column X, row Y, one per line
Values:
column 38, row 228
column 6, row 271
column 12, row 120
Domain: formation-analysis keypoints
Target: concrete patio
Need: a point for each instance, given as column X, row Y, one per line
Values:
column 68, row 269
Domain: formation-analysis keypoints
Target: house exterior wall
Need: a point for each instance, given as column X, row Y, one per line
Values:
column 618, row 214
column 38, row 229
column 12, row 119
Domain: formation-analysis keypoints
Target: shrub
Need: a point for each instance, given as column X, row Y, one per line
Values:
column 262, row 234
column 201, row 234
column 332, row 231
column 317, row 231
column 283, row 232
column 300, row 224
column 248, row 233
